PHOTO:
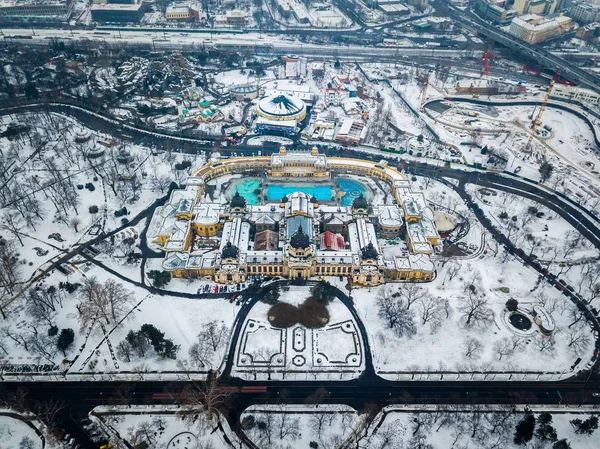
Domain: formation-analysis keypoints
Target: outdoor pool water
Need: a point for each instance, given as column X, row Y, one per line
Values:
column 246, row 190
column 275, row 192
column 352, row 190
column 321, row 193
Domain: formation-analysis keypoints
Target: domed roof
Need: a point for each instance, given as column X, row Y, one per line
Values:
column 229, row 251
column 284, row 199
column 281, row 105
column 369, row 252
column 300, row 240
column 360, row 202
column 314, row 200
column 237, row 200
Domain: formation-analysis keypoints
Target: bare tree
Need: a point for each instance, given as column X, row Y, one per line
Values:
column 47, row 410
column 431, row 309
column 160, row 182
column 12, row 223
column 41, row 305
column 389, row 435
column 570, row 242
column 288, row 426
column 202, row 403
column 108, row 302
column 411, row 293
column 503, row 348
column 546, row 344
column 452, row 269
column 577, row 338
column 317, row 423
column 472, row 348
column 397, row 317
column 75, row 222
column 475, row 310
column 214, row 334
column 200, row 353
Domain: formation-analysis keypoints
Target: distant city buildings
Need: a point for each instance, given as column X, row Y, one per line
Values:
column 589, row 31
column 233, row 18
column 533, row 28
column 491, row 11
column 541, row 7
column 35, row 10
column 586, row 13
column 118, row 12
column 185, row 12
column 579, row 94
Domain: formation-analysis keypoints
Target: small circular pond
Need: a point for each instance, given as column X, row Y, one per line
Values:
column 520, row 321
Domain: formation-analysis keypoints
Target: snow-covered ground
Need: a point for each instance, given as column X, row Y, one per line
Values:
column 334, row 351
column 470, row 428
column 16, row 433
column 297, row 426
column 502, row 351
column 159, row 426
column 536, row 228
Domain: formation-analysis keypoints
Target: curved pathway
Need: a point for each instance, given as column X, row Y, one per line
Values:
column 255, row 293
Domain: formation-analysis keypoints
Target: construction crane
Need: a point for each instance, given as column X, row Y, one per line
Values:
column 486, row 61
column 538, row 119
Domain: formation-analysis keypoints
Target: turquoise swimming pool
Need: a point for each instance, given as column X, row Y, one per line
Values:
column 322, row 193
column 246, row 190
column 350, row 189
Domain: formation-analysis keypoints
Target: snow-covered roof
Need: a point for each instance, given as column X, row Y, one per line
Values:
column 237, row 232
column 264, row 256
column 281, row 105
column 330, row 241
column 207, row 213
column 336, row 257
column 289, row 158
column 389, row 215
column 299, row 204
column 177, row 235
column 421, row 262
column 360, row 234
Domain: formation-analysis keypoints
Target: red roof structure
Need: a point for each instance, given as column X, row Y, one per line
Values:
column 331, row 241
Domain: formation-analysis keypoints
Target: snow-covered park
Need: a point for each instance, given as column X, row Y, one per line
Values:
column 266, row 350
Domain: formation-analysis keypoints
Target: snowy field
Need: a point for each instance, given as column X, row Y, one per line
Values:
column 536, row 228
column 297, row 426
column 17, row 434
column 159, row 427
column 486, row 345
column 478, row 428
column 334, row 351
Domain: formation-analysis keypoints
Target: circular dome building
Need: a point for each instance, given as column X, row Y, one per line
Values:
column 280, row 107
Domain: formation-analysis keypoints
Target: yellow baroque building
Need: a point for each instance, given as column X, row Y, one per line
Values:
column 295, row 237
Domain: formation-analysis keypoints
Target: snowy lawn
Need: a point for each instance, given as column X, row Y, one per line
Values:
column 15, row 433
column 334, row 351
column 297, row 426
column 159, row 427
column 438, row 337
column 477, row 428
